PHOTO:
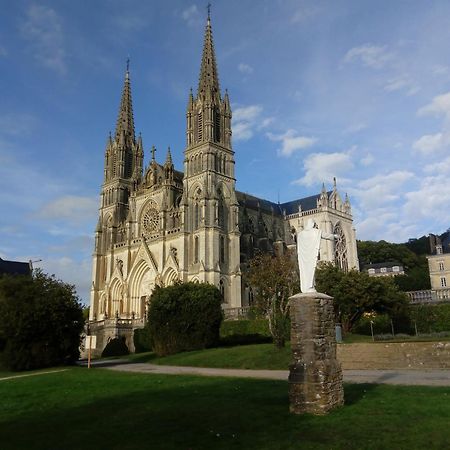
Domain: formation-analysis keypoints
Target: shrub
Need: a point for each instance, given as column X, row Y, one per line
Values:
column 431, row 318
column 142, row 340
column 41, row 323
column 116, row 347
column 243, row 331
column 184, row 317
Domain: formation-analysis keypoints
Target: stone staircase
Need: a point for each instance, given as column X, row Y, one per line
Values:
column 404, row 355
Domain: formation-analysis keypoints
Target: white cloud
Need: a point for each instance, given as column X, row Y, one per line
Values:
column 369, row 55
column 367, row 160
column 320, row 167
column 430, row 143
column 430, row 200
column 43, row 29
column 191, row 15
column 442, row 167
column 70, row 271
column 245, row 68
column 3, row 51
column 439, row 106
column 70, row 208
column 402, row 82
column 290, row 142
column 247, row 119
column 381, row 190
column 130, row 21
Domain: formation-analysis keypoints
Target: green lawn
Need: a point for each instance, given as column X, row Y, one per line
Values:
column 258, row 356
column 101, row 409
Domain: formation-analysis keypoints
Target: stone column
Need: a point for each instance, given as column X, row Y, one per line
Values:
column 315, row 375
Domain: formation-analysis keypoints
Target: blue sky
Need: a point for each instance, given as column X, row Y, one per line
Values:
column 356, row 89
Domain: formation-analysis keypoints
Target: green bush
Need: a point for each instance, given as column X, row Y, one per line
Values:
column 431, row 318
column 243, row 331
column 41, row 322
column 116, row 347
column 142, row 340
column 244, row 326
column 184, row 317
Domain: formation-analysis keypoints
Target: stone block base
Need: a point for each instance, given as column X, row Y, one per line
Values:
column 315, row 378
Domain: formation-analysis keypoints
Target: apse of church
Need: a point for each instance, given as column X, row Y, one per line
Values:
column 158, row 225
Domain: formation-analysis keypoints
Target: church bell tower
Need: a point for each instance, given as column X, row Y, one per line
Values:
column 209, row 195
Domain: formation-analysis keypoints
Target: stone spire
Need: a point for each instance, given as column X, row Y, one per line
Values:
column 209, row 79
column 125, row 120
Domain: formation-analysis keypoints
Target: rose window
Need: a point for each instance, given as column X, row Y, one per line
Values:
column 150, row 221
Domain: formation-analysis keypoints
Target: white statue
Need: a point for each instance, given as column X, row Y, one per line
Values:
column 308, row 245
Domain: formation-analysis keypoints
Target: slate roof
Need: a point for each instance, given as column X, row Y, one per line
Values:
column 14, row 267
column 290, row 207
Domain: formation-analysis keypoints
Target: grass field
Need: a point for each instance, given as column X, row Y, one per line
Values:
column 258, row 356
column 101, row 409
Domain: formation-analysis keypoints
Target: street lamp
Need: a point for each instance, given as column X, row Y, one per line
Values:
column 31, row 263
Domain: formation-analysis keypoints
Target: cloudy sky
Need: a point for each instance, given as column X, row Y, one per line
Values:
column 355, row 89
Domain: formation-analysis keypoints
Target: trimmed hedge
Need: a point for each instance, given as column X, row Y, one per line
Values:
column 142, row 340
column 243, row 326
column 243, row 332
column 184, row 317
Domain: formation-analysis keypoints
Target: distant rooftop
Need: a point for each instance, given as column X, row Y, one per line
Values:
column 14, row 267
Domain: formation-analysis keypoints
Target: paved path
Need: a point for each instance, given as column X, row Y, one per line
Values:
column 12, row 377
column 433, row 377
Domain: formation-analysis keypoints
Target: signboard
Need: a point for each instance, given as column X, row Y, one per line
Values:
column 90, row 342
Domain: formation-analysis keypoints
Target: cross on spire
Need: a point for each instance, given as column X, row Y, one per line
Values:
column 153, row 152
column 208, row 7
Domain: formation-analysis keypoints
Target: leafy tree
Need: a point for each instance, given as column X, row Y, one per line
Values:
column 42, row 320
column 355, row 293
column 184, row 317
column 274, row 279
column 415, row 265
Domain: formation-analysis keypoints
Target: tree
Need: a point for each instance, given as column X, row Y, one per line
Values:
column 42, row 321
column 356, row 293
column 414, row 263
column 183, row 317
column 274, row 279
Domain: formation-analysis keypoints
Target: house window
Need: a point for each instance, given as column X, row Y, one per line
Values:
column 371, row 271
column 340, row 252
column 443, row 282
column 396, row 269
column 383, row 270
column 441, row 265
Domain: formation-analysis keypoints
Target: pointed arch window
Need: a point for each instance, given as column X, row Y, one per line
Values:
column 340, row 249
column 222, row 249
column 222, row 290
column 200, row 126
column 196, row 249
column 217, row 126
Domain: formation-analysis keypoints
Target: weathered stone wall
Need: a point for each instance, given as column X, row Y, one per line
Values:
column 403, row 355
column 315, row 378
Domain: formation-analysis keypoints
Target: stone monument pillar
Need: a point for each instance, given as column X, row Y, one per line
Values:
column 315, row 375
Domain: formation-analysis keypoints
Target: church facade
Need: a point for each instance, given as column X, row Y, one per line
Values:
column 158, row 225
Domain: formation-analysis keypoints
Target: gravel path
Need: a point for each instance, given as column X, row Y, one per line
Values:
column 432, row 377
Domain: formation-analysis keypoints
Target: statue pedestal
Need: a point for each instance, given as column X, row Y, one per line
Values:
column 315, row 375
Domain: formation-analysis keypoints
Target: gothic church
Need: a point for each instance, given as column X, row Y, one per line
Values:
column 157, row 225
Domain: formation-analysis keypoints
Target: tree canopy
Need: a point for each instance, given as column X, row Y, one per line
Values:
column 42, row 320
column 274, row 279
column 415, row 265
column 356, row 293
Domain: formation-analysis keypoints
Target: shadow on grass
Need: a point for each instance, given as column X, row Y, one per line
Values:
column 82, row 409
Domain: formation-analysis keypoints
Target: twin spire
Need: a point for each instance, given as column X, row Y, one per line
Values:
column 209, row 78
column 125, row 119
